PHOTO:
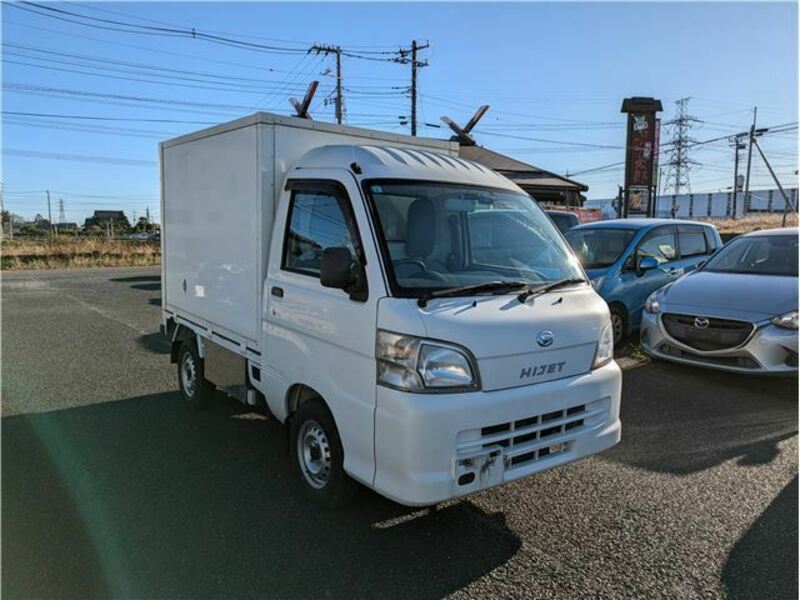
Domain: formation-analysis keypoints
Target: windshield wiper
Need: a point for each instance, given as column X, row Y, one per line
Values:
column 535, row 290
column 498, row 286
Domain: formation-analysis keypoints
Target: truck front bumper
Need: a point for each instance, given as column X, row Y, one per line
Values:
column 433, row 447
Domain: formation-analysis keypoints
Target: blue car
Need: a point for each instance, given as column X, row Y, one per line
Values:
column 628, row 259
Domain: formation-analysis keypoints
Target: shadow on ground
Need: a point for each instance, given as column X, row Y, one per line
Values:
column 142, row 498
column 695, row 419
column 146, row 283
column 763, row 564
column 154, row 342
column 137, row 278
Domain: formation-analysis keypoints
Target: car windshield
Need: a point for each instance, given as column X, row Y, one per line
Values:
column 599, row 247
column 438, row 236
column 757, row 255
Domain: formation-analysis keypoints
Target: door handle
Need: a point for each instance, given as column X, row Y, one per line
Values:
column 277, row 291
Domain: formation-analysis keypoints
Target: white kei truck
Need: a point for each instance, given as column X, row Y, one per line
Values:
column 415, row 320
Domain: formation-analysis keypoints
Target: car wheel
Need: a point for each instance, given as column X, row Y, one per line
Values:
column 618, row 325
column 195, row 389
column 317, row 456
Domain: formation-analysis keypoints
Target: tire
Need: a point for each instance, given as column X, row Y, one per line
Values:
column 317, row 456
column 197, row 392
column 619, row 324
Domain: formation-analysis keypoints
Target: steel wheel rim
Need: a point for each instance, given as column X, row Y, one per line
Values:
column 188, row 373
column 314, row 454
column 616, row 327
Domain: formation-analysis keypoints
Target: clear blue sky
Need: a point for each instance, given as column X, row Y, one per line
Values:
column 554, row 74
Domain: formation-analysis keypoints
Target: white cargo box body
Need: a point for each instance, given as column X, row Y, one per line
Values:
column 219, row 187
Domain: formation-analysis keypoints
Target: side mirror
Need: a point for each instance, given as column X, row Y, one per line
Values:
column 646, row 263
column 339, row 270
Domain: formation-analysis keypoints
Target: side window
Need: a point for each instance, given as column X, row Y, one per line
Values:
column 660, row 244
column 711, row 242
column 315, row 222
column 692, row 242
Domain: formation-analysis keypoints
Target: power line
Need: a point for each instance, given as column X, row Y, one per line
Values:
column 79, row 158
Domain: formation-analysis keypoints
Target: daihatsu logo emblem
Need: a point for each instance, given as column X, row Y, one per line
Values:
column 545, row 338
column 700, row 322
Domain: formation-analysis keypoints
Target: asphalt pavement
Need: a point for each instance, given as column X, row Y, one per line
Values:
column 110, row 487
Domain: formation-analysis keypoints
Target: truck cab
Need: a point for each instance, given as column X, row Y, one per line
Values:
column 423, row 329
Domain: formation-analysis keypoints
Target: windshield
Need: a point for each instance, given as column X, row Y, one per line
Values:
column 757, row 255
column 601, row 247
column 439, row 236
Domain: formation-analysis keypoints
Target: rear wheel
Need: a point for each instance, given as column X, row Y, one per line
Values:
column 317, row 456
column 195, row 389
column 618, row 324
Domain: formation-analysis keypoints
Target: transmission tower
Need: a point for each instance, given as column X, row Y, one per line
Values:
column 678, row 162
column 62, row 216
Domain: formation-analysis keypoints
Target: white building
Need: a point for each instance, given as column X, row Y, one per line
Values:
column 716, row 204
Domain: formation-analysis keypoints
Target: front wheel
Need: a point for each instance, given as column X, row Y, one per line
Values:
column 195, row 389
column 618, row 324
column 317, row 456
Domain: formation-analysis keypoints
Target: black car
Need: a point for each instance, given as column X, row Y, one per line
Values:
column 563, row 220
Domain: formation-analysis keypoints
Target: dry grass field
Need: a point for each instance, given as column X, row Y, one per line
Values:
column 70, row 252
column 753, row 222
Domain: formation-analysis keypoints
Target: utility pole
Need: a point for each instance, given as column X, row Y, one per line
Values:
column 679, row 163
column 786, row 202
column 147, row 215
column 49, row 213
column 737, row 145
column 336, row 50
column 752, row 136
column 2, row 212
column 415, row 64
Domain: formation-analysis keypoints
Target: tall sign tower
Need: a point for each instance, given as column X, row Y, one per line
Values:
column 641, row 156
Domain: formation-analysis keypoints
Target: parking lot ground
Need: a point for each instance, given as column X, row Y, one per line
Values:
column 110, row 487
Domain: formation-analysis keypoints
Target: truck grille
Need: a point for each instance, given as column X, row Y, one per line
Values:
column 535, row 437
column 718, row 334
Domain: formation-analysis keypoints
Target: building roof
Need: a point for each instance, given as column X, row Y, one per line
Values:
column 109, row 214
column 521, row 173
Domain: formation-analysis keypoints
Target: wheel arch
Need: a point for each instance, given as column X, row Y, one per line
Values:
column 623, row 310
column 180, row 335
column 299, row 393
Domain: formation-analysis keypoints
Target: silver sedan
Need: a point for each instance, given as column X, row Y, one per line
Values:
column 737, row 312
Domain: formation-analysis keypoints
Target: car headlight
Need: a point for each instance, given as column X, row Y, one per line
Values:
column 787, row 321
column 414, row 364
column 605, row 347
column 652, row 305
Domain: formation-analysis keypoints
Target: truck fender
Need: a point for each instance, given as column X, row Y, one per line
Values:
column 181, row 334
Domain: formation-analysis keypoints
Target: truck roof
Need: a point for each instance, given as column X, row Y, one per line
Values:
column 308, row 124
column 389, row 162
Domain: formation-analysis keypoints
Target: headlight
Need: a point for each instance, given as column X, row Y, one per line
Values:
column 416, row 365
column 605, row 347
column 651, row 305
column 787, row 321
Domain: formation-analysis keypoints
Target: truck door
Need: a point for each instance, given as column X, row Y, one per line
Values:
column 317, row 336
